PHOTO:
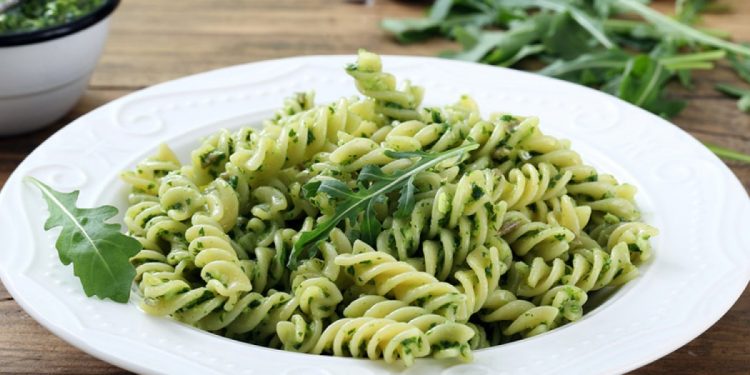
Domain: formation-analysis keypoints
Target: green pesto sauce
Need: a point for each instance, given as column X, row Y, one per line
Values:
column 31, row 15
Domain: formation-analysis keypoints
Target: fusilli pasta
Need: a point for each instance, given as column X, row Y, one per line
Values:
column 504, row 241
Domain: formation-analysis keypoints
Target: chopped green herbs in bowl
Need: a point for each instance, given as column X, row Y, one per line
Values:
column 48, row 49
column 32, row 15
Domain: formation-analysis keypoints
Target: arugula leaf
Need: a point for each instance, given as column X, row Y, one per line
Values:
column 349, row 204
column 593, row 26
column 726, row 153
column 581, row 16
column 99, row 252
column 681, row 30
column 370, row 226
column 641, row 85
column 466, row 35
column 600, row 62
column 566, row 38
column 687, row 11
column 439, row 19
column 740, row 66
column 524, row 52
column 743, row 104
column 406, row 199
column 504, row 44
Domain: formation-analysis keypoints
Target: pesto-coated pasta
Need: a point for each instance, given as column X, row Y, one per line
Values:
column 502, row 241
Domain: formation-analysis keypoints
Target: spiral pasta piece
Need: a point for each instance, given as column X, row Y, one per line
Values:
column 145, row 178
column 180, row 197
column 562, row 212
column 165, row 231
column 164, row 249
column 596, row 269
column 524, row 317
column 299, row 335
column 468, row 197
column 537, row 238
column 371, row 81
column 534, row 278
column 373, row 338
column 138, row 215
column 222, row 205
column 480, row 339
column 267, row 269
column 318, row 295
column 529, row 184
column 217, row 259
column 402, row 281
column 441, row 256
column 635, row 235
column 482, row 276
column 299, row 102
column 209, row 160
column 163, row 295
column 357, row 153
column 604, row 194
column 447, row 339
column 254, row 318
column 300, row 137
column 404, row 235
column 568, row 299
column 150, row 259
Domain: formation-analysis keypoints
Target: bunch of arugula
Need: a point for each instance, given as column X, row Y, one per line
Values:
column 742, row 67
column 622, row 47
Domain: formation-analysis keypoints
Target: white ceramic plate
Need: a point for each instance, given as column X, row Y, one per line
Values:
column 700, row 267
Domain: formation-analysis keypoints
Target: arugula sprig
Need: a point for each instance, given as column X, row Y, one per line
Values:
column 99, row 252
column 639, row 79
column 622, row 47
column 372, row 186
column 742, row 68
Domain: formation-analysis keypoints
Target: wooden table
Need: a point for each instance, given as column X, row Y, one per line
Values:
column 157, row 40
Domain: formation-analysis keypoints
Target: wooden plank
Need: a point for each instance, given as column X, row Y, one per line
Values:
column 4, row 295
column 723, row 349
column 158, row 41
column 718, row 121
column 28, row 348
column 717, row 116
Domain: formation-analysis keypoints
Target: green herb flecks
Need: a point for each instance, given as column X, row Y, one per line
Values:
column 406, row 200
column 373, row 185
column 38, row 14
column 99, row 252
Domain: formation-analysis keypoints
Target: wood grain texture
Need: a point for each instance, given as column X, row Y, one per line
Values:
column 157, row 40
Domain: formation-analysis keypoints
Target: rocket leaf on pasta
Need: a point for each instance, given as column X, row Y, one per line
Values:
column 373, row 185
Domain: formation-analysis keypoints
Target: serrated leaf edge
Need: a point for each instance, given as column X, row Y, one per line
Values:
column 46, row 191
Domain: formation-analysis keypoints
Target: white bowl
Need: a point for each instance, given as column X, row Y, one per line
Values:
column 44, row 72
